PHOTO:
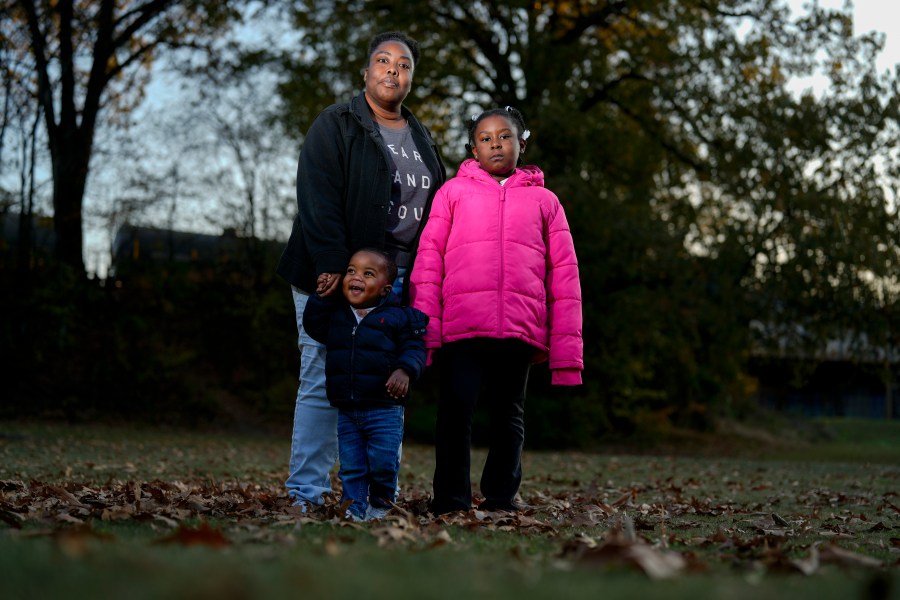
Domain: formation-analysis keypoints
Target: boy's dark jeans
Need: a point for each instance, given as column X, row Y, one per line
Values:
column 369, row 443
column 496, row 372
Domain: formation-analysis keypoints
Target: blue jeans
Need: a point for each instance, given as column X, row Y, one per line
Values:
column 369, row 443
column 314, row 446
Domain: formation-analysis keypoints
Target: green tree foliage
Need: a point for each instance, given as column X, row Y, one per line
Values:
column 91, row 60
column 703, row 191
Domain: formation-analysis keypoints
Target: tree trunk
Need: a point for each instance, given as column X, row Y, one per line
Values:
column 69, row 179
column 26, row 212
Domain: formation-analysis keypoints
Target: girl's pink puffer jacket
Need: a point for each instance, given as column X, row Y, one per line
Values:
column 498, row 261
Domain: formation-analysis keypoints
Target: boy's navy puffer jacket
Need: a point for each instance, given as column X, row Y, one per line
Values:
column 361, row 356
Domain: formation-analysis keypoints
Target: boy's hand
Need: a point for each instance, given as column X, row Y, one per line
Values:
column 398, row 384
column 326, row 283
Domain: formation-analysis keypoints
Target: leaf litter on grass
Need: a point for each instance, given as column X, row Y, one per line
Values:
column 659, row 516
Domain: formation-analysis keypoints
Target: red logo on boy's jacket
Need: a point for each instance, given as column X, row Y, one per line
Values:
column 382, row 320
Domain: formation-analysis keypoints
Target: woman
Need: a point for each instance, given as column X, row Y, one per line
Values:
column 367, row 174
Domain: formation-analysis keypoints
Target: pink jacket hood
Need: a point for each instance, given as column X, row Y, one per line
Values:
column 498, row 261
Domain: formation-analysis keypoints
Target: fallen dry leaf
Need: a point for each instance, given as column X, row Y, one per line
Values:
column 204, row 535
column 831, row 553
column 617, row 549
column 810, row 564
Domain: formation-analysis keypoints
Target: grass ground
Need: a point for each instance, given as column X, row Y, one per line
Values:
column 102, row 512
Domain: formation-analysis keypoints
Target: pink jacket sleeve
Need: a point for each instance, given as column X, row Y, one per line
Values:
column 565, row 377
column 427, row 277
column 563, row 302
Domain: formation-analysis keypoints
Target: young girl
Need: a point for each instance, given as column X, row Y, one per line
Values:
column 497, row 275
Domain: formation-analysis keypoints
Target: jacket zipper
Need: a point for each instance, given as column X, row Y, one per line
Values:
column 502, row 259
column 353, row 351
column 352, row 358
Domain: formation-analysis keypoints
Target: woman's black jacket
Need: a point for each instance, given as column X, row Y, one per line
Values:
column 361, row 356
column 344, row 191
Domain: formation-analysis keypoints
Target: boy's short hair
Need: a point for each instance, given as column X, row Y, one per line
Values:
column 390, row 265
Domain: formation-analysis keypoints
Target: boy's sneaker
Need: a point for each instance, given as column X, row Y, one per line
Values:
column 355, row 518
column 375, row 513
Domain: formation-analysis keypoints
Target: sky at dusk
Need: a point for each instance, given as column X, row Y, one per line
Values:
column 869, row 15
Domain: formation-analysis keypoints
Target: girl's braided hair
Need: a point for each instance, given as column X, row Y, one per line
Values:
column 513, row 114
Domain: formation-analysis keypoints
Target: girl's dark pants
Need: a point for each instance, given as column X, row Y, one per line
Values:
column 494, row 371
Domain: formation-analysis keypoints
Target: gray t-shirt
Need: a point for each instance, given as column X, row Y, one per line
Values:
column 410, row 187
